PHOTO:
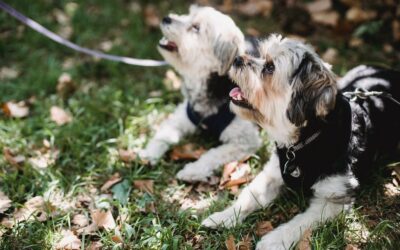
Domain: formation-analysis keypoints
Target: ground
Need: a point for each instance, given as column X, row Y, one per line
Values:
column 116, row 106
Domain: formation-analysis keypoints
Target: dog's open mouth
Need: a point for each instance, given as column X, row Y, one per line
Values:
column 238, row 98
column 168, row 45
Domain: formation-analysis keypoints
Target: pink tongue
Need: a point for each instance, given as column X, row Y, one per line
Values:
column 235, row 93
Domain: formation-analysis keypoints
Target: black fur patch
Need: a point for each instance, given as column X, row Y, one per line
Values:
column 218, row 87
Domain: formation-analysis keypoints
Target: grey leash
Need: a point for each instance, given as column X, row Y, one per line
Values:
column 49, row 34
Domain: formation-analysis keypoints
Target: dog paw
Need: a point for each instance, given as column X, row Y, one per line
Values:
column 147, row 156
column 276, row 240
column 227, row 218
column 193, row 173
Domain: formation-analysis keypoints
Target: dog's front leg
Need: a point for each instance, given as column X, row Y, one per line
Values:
column 258, row 194
column 240, row 139
column 330, row 198
column 170, row 132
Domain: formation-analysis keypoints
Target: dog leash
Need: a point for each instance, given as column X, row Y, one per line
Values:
column 364, row 94
column 51, row 35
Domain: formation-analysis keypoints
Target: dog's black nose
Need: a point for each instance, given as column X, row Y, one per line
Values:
column 238, row 62
column 166, row 20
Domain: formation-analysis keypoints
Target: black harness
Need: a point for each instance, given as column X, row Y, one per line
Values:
column 214, row 124
column 218, row 87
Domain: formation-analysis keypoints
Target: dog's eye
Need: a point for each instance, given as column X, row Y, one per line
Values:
column 268, row 68
column 195, row 27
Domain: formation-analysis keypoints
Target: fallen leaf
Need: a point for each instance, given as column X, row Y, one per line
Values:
column 96, row 245
column 263, row 228
column 396, row 30
column 255, row 7
column 318, row 6
column 115, row 178
column 188, row 151
column 117, row 238
column 151, row 16
column 304, row 243
column 59, row 116
column 80, row 220
column 355, row 42
column 5, row 202
column 42, row 160
column 14, row 160
column 235, row 174
column 16, row 109
column 328, row 18
column 245, row 243
column 127, row 155
column 8, row 73
column 65, row 85
column 90, row 229
column 103, row 219
column 172, row 81
column 230, row 243
column 237, row 182
column 144, row 185
column 253, row 32
column 34, row 208
column 330, row 55
column 358, row 15
column 351, row 247
column 69, row 241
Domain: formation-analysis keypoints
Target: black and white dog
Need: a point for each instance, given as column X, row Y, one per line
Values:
column 325, row 142
column 201, row 46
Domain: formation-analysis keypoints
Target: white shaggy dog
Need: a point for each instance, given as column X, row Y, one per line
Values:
column 325, row 142
column 201, row 47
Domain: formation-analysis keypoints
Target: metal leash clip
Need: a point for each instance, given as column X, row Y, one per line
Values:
column 291, row 169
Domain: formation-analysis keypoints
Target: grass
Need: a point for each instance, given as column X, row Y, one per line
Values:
column 115, row 106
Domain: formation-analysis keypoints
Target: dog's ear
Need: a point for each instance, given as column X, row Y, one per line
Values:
column 314, row 91
column 225, row 50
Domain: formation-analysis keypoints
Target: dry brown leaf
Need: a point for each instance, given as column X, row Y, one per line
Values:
column 263, row 228
column 8, row 73
column 355, row 42
column 230, row 243
column 151, row 16
column 253, row 32
column 34, row 208
column 144, row 185
column 255, row 7
column 237, row 182
column 97, row 245
column 69, row 241
column 329, row 18
column 127, row 155
column 304, row 243
column 103, row 219
column 318, row 6
column 114, row 179
column 172, row 81
column 5, row 202
column 42, row 160
column 351, row 247
column 16, row 109
column 188, row 151
column 117, row 238
column 358, row 15
column 90, row 229
column 65, row 85
column 330, row 55
column 245, row 243
column 59, row 116
column 80, row 220
column 14, row 160
column 396, row 30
